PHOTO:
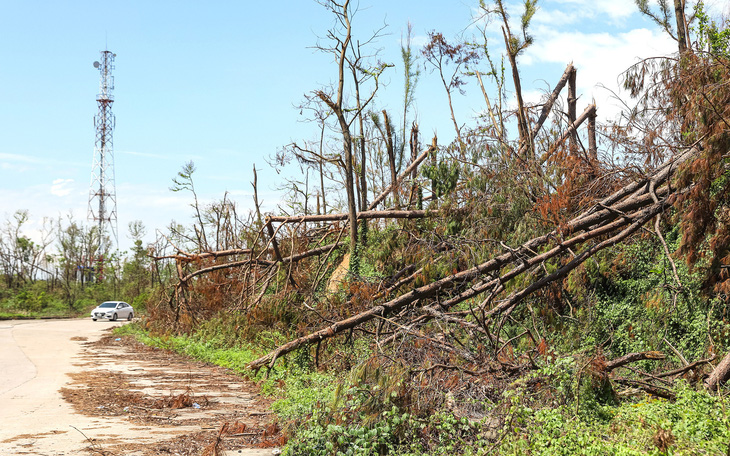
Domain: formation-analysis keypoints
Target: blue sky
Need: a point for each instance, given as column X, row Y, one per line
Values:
column 218, row 82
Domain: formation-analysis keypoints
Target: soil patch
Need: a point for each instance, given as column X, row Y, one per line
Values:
column 160, row 392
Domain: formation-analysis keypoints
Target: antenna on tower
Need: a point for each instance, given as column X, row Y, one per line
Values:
column 102, row 195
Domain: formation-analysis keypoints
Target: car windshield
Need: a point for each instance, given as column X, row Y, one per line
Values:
column 107, row 305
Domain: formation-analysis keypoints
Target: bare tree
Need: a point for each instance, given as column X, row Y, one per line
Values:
column 184, row 181
column 515, row 45
column 411, row 73
column 448, row 61
column 347, row 56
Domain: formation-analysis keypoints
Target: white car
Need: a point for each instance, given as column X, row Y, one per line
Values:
column 112, row 311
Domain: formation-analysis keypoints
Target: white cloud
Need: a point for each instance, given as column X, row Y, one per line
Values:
column 62, row 187
column 18, row 158
column 555, row 17
column 613, row 9
column 600, row 58
column 417, row 41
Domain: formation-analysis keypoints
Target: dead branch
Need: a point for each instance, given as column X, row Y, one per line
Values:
column 589, row 112
column 288, row 259
column 232, row 264
column 676, row 352
column 648, row 375
column 688, row 367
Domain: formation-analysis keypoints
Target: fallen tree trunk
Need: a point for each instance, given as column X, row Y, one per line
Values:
column 632, row 358
column 719, row 375
column 515, row 298
column 627, row 215
column 188, row 257
column 360, row 216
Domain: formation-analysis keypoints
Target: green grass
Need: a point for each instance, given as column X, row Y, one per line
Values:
column 232, row 358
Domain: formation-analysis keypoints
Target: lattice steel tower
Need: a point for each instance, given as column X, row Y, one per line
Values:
column 102, row 196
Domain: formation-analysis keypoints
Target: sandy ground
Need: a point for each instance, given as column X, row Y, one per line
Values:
column 69, row 387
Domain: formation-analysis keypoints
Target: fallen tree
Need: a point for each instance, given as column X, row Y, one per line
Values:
column 614, row 219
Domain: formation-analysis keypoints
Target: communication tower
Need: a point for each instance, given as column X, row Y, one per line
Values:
column 102, row 196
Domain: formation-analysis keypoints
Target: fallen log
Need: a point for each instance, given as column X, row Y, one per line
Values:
column 360, row 216
column 603, row 221
column 632, row 358
column 719, row 375
column 462, row 277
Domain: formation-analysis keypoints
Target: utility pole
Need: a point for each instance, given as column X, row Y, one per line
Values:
column 102, row 195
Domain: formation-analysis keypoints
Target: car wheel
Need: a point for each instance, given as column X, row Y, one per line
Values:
column 93, row 319
column 114, row 318
column 130, row 316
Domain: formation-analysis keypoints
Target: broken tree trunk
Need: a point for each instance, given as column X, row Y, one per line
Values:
column 391, row 156
column 572, row 102
column 412, row 167
column 719, row 375
column 548, row 106
column 588, row 113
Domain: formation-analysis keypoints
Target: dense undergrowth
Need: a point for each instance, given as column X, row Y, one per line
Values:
column 40, row 300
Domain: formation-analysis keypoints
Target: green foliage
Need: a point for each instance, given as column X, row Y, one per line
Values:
column 38, row 299
column 303, row 392
column 383, row 247
column 696, row 423
column 711, row 37
column 444, row 177
column 337, row 439
column 630, row 301
column 392, row 432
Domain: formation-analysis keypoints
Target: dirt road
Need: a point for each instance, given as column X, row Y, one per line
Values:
column 69, row 387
